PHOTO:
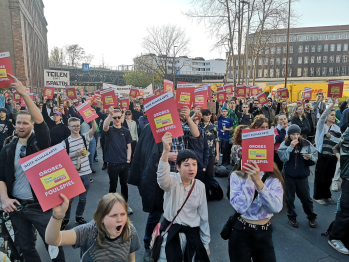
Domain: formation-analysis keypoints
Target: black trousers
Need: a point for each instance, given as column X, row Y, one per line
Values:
column 102, row 141
column 299, row 186
column 277, row 161
column 210, row 166
column 114, row 172
column 226, row 151
column 325, row 169
column 133, row 148
column 341, row 223
column 251, row 241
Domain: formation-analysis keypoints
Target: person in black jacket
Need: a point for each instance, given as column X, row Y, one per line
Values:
column 6, row 127
column 14, row 186
column 135, row 109
column 102, row 117
column 300, row 119
column 245, row 118
column 298, row 154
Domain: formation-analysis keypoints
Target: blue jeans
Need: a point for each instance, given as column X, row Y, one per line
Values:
column 82, row 199
column 92, row 150
column 153, row 219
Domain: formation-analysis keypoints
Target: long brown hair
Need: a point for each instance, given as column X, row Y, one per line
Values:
column 104, row 207
column 259, row 121
column 295, row 114
column 237, row 139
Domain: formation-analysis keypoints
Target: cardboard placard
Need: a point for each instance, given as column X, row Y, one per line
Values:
column 335, row 88
column 109, row 98
column 240, row 91
column 221, row 96
column 81, row 92
column 248, row 90
column 5, row 68
column 140, row 93
column 89, row 100
column 307, row 93
column 258, row 146
column 200, row 97
column 283, row 93
column 157, row 92
column 254, row 90
column 65, row 102
column 168, row 86
column 262, row 98
column 23, row 104
column 50, row 173
column 6, row 94
column 300, row 102
column 220, row 88
column 124, row 103
column 163, row 116
column 96, row 98
column 16, row 96
column 49, row 91
column 86, row 111
column 209, row 92
column 133, row 92
column 185, row 94
column 70, row 92
column 212, row 107
column 228, row 89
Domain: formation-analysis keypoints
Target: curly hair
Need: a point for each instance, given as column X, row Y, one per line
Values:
column 259, row 121
column 237, row 139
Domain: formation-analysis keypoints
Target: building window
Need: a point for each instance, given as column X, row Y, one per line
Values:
column 271, row 61
column 318, row 59
column 300, row 49
column 339, row 47
column 260, row 61
column 284, row 60
column 332, row 59
column 318, row 71
column 267, row 51
column 266, row 61
column 284, row 49
column 330, row 71
column 277, row 61
column 340, row 36
column 311, row 71
column 319, row 48
column 325, row 48
column 278, row 50
column 290, row 60
column 337, row 71
column 290, row 72
column 332, row 47
column 345, row 58
column 299, row 71
column 313, row 48
column 261, row 52
column 324, row 71
column 345, row 47
column 346, row 36
column 324, row 59
column 291, row 49
column 272, row 50
column 307, row 38
column 306, row 60
column 306, row 49
column 277, row 73
column 265, row 72
column 292, row 38
column 208, row 63
column 271, row 73
column 338, row 59
column 320, row 37
column 208, row 69
column 300, row 60
column 305, row 71
column 344, row 70
column 283, row 72
column 312, row 59
column 260, row 73
column 326, row 37
column 300, row 38
column 236, row 62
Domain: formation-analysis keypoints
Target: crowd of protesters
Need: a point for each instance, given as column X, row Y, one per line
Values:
column 175, row 178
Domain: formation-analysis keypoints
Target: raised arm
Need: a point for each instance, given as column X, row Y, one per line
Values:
column 108, row 119
column 194, row 130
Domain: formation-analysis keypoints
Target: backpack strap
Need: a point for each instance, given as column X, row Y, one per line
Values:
column 66, row 145
column 264, row 178
column 84, row 139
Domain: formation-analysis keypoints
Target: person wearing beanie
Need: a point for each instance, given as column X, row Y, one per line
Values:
column 225, row 125
column 192, row 220
column 297, row 154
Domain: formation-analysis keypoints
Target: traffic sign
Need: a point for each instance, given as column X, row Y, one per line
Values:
column 178, row 72
column 85, row 67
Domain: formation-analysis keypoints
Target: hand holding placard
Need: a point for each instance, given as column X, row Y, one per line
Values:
column 60, row 210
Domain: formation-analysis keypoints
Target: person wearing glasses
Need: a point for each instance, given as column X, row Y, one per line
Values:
column 245, row 118
column 14, row 185
column 118, row 152
column 77, row 146
column 132, row 126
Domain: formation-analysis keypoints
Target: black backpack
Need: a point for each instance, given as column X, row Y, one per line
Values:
column 67, row 143
column 213, row 189
column 221, row 171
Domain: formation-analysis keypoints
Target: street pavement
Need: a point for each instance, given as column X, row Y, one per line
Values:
column 291, row 244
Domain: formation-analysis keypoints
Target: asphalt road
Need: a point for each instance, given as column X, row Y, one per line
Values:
column 291, row 244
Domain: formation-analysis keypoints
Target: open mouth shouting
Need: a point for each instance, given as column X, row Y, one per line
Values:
column 119, row 229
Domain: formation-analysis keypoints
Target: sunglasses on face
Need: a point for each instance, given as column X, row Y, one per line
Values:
column 117, row 117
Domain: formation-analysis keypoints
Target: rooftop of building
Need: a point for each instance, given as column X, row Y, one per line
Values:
column 314, row 29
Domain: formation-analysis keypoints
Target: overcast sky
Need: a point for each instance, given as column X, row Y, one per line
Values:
column 115, row 28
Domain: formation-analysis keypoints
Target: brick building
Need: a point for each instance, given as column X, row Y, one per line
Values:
column 23, row 33
column 313, row 52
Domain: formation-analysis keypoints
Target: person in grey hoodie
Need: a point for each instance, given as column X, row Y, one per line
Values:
column 297, row 154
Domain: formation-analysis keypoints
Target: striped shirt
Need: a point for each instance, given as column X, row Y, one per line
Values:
column 74, row 145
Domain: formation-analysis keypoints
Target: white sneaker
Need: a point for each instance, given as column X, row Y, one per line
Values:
column 320, row 201
column 334, row 186
column 129, row 210
column 339, row 246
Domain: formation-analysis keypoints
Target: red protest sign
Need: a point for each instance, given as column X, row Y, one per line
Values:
column 283, row 93
column 240, row 91
column 335, row 88
column 185, row 94
column 220, row 88
column 157, row 92
column 209, row 92
column 89, row 100
column 82, row 92
column 49, row 92
column 96, row 98
column 5, row 68
column 50, row 173
column 23, row 104
column 109, row 98
column 86, row 111
column 200, row 97
column 168, row 85
column 16, row 96
column 248, row 90
column 163, row 116
column 254, row 90
column 140, row 93
column 221, row 96
column 71, row 93
column 307, row 93
column 65, row 102
column 258, row 146
column 133, row 92
column 124, row 103
column 7, row 94
column 262, row 98
column 228, row 89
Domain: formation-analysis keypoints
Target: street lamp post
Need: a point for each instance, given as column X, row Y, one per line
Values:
column 173, row 65
column 246, row 41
